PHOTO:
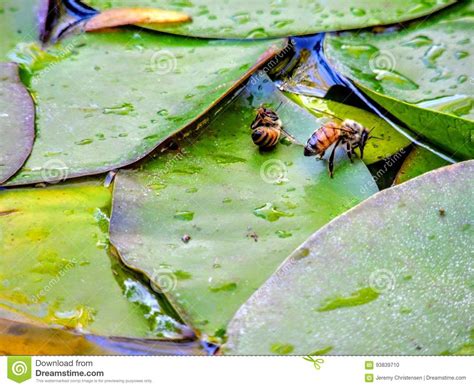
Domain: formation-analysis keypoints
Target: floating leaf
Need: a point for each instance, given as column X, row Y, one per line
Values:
column 106, row 100
column 17, row 121
column 55, row 267
column 417, row 163
column 388, row 141
column 419, row 74
column 24, row 338
column 249, row 209
column 123, row 16
column 263, row 19
column 393, row 275
column 17, row 24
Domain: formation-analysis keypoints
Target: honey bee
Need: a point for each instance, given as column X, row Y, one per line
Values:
column 349, row 134
column 266, row 128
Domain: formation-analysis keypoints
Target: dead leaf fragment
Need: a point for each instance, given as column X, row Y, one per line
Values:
column 124, row 16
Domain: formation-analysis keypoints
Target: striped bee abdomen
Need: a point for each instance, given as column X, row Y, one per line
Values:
column 322, row 139
column 266, row 137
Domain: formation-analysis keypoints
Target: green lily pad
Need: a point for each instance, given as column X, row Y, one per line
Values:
column 419, row 74
column 394, row 275
column 106, row 100
column 55, row 267
column 208, row 223
column 17, row 24
column 17, row 121
column 273, row 18
column 388, row 141
column 417, row 163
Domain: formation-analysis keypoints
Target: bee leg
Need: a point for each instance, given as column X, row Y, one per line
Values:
column 361, row 149
column 349, row 151
column 321, row 155
column 331, row 159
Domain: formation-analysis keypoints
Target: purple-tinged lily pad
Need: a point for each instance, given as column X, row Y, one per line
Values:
column 17, row 121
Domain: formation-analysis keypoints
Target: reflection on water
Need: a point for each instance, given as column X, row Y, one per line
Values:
column 307, row 72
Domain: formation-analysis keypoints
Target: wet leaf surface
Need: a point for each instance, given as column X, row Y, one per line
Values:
column 380, row 279
column 418, row 162
column 106, row 100
column 388, row 141
column 210, row 222
column 55, row 267
column 273, row 18
column 419, row 74
column 28, row 339
column 17, row 121
column 17, row 24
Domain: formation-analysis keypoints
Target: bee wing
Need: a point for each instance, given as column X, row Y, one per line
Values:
column 292, row 138
column 343, row 129
column 257, row 122
column 327, row 113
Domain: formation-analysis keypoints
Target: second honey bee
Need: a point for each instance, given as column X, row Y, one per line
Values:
column 350, row 134
column 266, row 128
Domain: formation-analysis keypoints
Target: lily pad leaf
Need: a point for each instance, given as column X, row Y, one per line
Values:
column 418, row 161
column 209, row 222
column 17, row 121
column 129, row 92
column 123, row 16
column 380, row 279
column 267, row 18
column 387, row 140
column 55, row 268
column 419, row 74
column 18, row 23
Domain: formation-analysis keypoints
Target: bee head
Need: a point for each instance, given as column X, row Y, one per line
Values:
column 257, row 134
column 308, row 150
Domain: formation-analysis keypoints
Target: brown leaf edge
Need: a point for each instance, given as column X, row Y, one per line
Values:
column 125, row 16
column 30, row 338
